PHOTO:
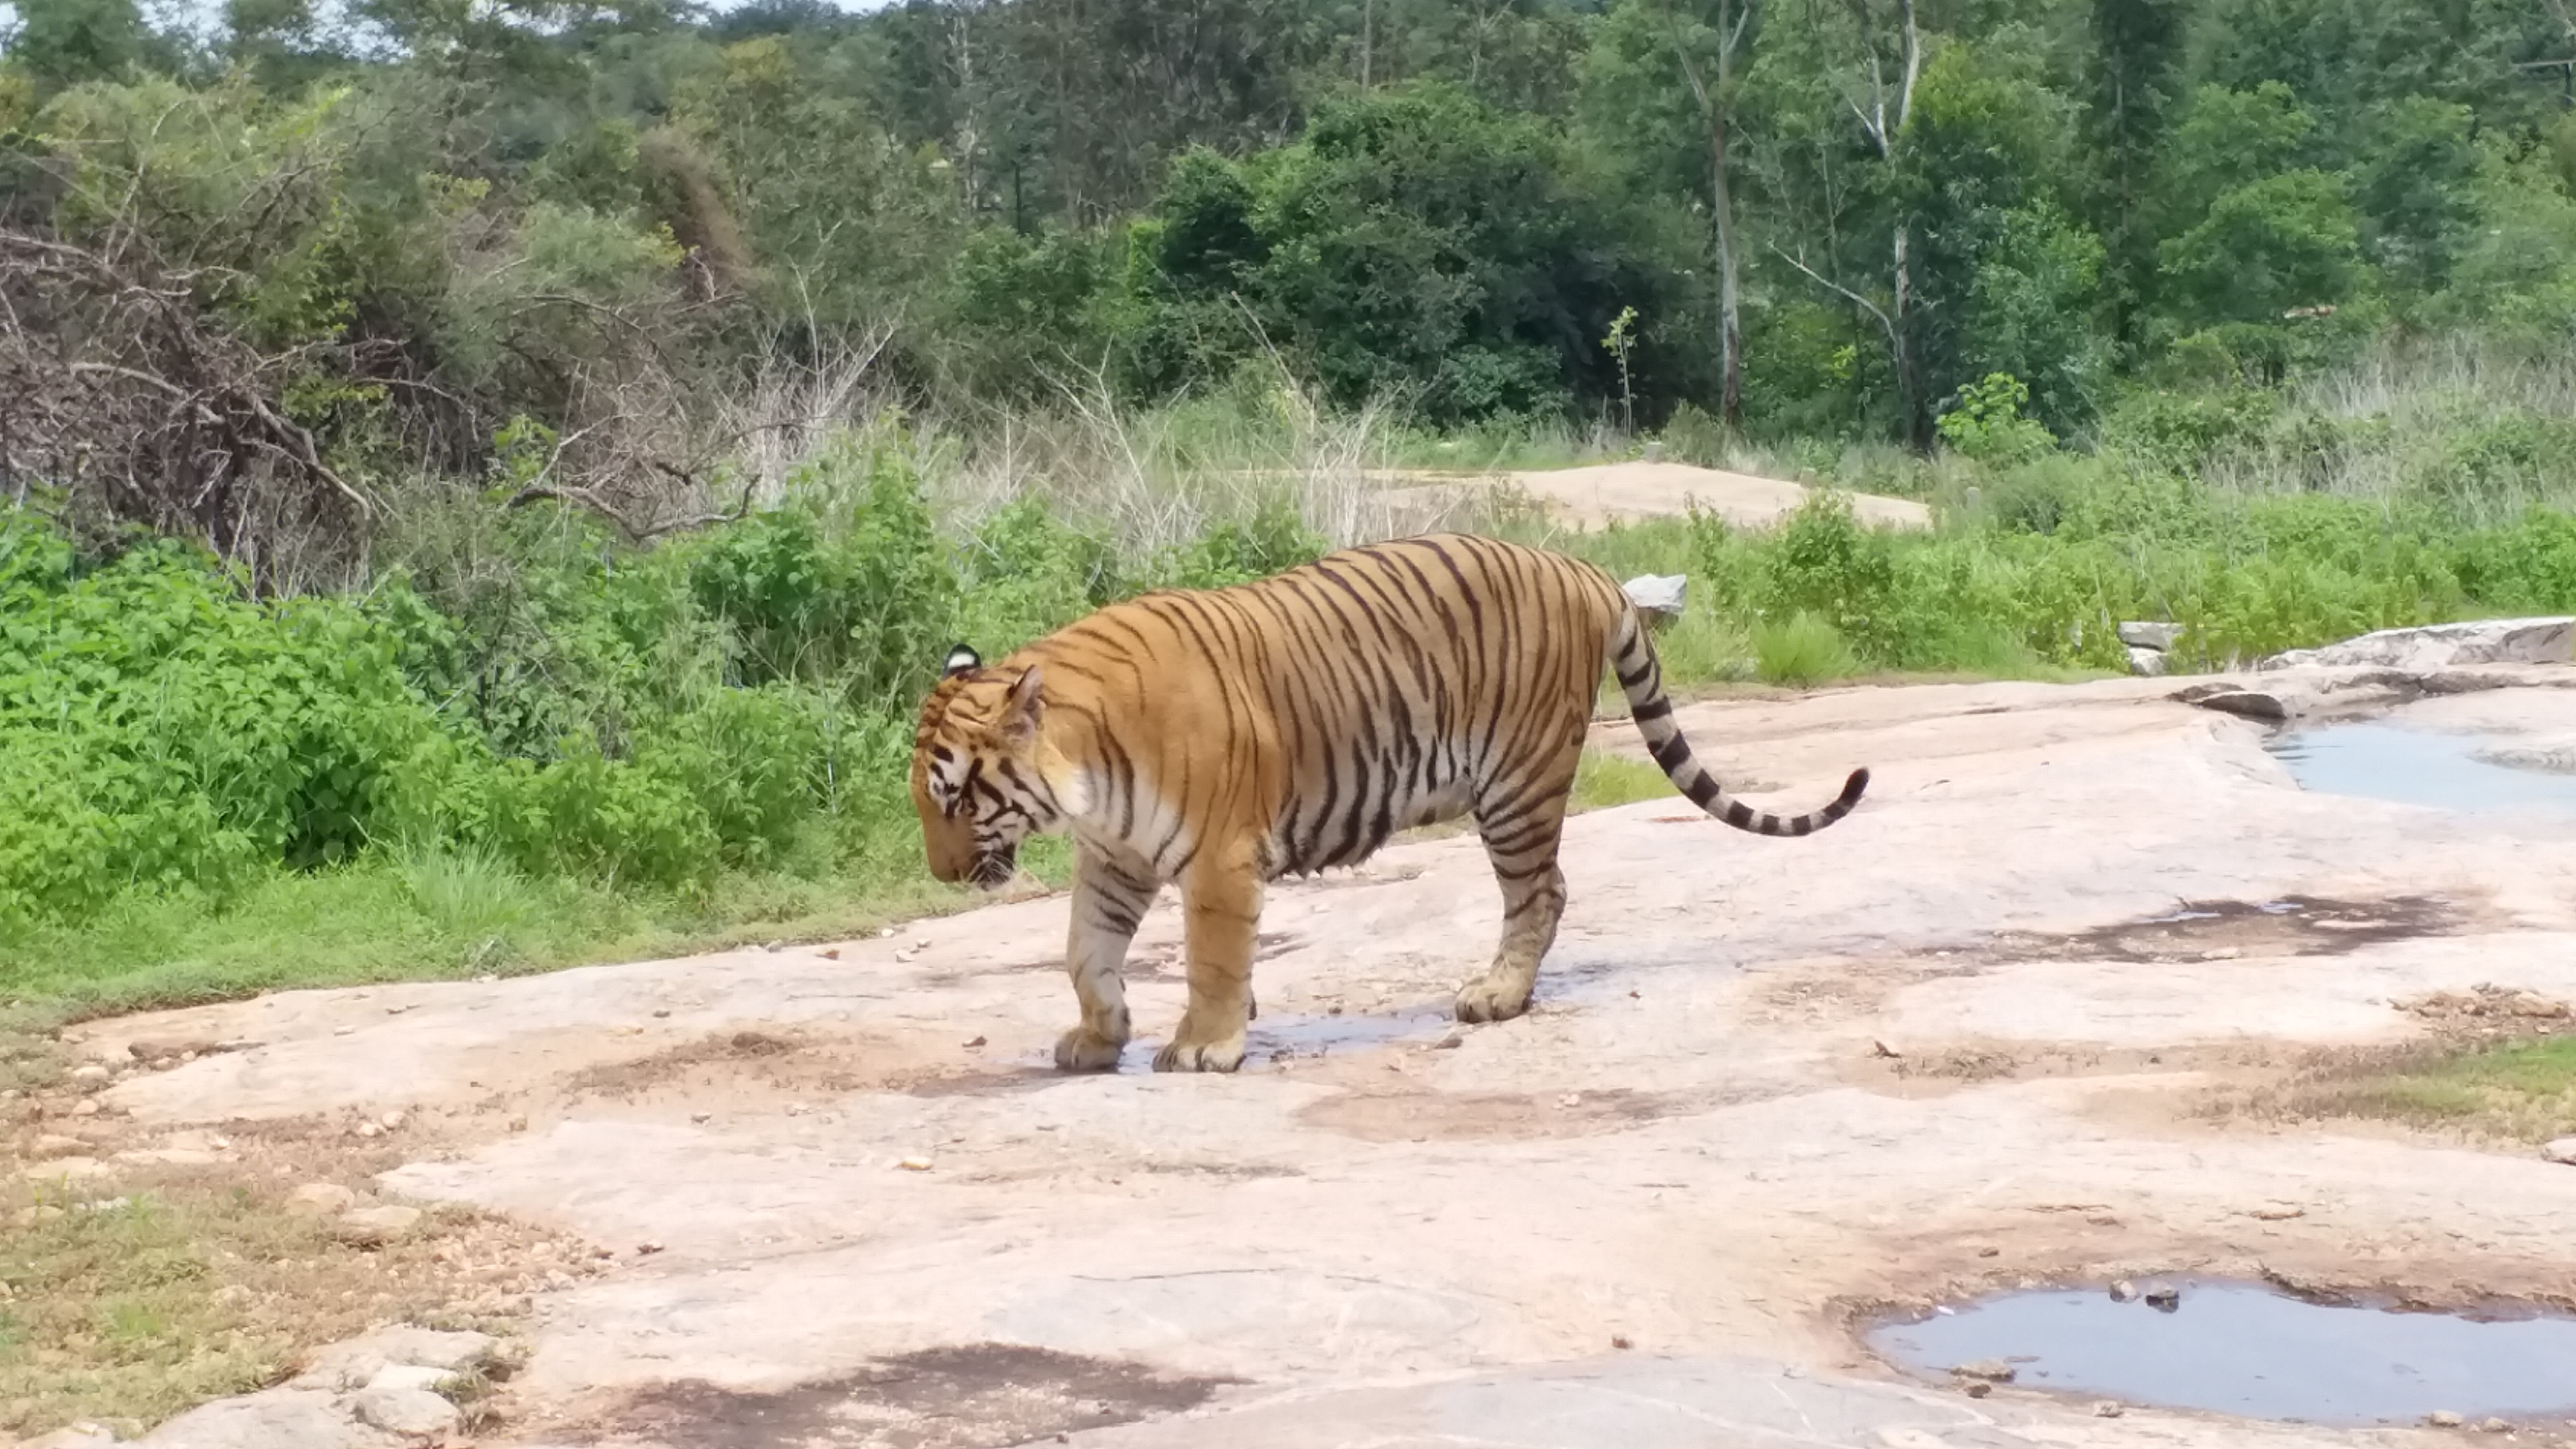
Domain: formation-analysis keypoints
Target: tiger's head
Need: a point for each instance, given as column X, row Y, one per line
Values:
column 975, row 777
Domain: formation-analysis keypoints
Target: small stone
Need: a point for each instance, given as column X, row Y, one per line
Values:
column 2124, row 1291
column 771, row 945
column 376, row 1226
column 2494, row 1426
column 2444, row 1419
column 1977, row 1388
column 647, row 1248
column 2562, row 1151
column 392, row 1120
column 423, row 1377
column 90, row 1074
column 485, row 979
column 369, row 1129
column 702, row 1118
column 833, row 954
column 1993, row 1370
column 971, row 1045
column 2108, row 1409
column 797, row 1109
column 54, row 1144
column 914, row 1164
column 2163, row 1296
column 1620, row 1340
column 1449, row 1043
column 344, row 1031
column 2157, row 636
column 85, row 1107
column 518, row 1124
column 1990, row 1251
column 319, row 1200
column 415, row 1413
column 884, row 931
column 662, row 1011
column 2146, row 663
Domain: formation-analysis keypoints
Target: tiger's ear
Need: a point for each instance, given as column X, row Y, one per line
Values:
column 960, row 660
column 1020, row 712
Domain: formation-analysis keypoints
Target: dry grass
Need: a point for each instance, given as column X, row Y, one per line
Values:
column 130, row 1295
column 2500, row 1069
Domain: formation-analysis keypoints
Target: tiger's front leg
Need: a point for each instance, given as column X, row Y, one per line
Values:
column 1221, row 905
column 1109, row 899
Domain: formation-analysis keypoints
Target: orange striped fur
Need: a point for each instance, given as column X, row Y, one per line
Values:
column 1222, row 738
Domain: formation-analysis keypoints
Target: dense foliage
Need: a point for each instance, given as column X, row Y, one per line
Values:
column 538, row 442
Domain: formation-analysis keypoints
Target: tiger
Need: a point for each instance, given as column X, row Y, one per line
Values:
column 1224, row 738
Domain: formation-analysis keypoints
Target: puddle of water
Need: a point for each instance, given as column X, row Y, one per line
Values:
column 2414, row 767
column 2241, row 1348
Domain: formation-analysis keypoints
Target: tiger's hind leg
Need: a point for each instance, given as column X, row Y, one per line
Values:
column 1110, row 895
column 1522, row 823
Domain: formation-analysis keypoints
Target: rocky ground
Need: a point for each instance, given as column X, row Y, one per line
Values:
column 1968, row 1037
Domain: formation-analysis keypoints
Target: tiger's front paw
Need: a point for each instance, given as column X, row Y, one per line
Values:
column 1084, row 1050
column 1184, row 1055
column 1488, row 1000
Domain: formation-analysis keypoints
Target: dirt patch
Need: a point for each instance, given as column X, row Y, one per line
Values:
column 2217, row 930
column 1843, row 988
column 662, row 1068
column 1936, row 1071
column 735, row 1069
column 2486, row 1012
column 1470, row 1116
column 974, row 1396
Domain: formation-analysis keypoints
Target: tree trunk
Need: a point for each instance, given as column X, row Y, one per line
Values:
column 1730, row 326
column 1909, row 387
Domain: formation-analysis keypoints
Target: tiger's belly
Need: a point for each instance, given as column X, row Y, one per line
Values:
column 1350, row 816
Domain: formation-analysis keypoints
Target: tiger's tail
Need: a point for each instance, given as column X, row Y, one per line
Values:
column 1633, row 655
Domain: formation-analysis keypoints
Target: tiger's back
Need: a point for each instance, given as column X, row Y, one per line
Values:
column 1221, row 738
column 1371, row 691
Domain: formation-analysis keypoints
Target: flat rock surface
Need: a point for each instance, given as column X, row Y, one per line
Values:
column 1591, row 496
column 1969, row 1037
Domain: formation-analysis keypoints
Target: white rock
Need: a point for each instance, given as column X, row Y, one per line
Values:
column 54, row 1144
column 91, row 1074
column 2148, row 662
column 2561, row 1151
column 418, row 1376
column 2444, row 646
column 414, row 1412
column 355, row 1363
column 2157, row 636
column 1659, row 596
column 272, row 1419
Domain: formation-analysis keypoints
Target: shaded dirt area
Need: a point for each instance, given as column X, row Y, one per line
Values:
column 965, row 1397
column 1588, row 497
column 2013, row 1021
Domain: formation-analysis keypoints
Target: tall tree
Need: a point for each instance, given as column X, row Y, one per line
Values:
column 1707, row 47
column 2132, row 76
